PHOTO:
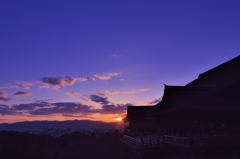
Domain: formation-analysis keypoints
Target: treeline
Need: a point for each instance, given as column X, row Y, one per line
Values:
column 21, row 145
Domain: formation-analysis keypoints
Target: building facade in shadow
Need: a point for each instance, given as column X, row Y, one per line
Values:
column 191, row 121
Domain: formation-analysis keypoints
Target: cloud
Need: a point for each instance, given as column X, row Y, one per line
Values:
column 156, row 101
column 107, row 76
column 3, row 96
column 83, row 79
column 143, row 90
column 115, row 55
column 3, row 106
column 19, row 94
column 117, row 92
column 100, row 93
column 65, row 109
column 108, row 107
column 32, row 106
column 69, row 109
column 5, row 110
column 77, row 94
column 9, row 87
column 58, row 82
column 114, row 109
column 43, row 100
column 122, row 79
column 25, row 85
column 45, row 86
column 4, row 99
column 45, row 108
column 106, row 92
column 99, row 99
column 73, row 94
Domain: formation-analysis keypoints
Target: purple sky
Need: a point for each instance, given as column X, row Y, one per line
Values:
column 90, row 59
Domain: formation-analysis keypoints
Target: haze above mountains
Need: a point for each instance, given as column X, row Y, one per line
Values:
column 69, row 124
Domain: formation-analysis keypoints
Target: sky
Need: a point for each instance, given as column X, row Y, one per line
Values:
column 89, row 60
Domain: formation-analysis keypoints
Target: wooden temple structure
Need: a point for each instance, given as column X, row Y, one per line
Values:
column 201, row 117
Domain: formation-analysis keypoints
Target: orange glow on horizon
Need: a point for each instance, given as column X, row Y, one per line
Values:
column 119, row 119
column 94, row 117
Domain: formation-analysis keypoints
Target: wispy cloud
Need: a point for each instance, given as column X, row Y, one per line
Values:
column 107, row 76
column 58, row 82
column 45, row 86
column 143, row 90
column 3, row 96
column 20, row 94
column 99, row 99
column 155, row 101
column 115, row 55
column 60, row 108
column 114, row 109
column 106, row 92
column 83, row 79
column 73, row 94
column 100, row 93
column 79, row 95
column 6, row 110
column 118, row 92
column 9, row 87
column 25, row 85
column 108, row 107
column 66, row 109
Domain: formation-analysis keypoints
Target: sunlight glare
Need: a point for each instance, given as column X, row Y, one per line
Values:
column 119, row 119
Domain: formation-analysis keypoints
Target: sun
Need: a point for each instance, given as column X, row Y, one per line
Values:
column 119, row 119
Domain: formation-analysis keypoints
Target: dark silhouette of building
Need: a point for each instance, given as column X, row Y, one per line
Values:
column 202, row 116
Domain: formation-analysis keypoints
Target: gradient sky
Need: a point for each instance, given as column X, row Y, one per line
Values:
column 64, row 60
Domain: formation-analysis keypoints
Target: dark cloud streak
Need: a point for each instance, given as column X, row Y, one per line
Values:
column 19, row 94
column 5, row 110
column 3, row 96
column 99, row 99
column 59, row 82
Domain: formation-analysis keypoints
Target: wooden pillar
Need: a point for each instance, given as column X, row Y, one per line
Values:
column 142, row 142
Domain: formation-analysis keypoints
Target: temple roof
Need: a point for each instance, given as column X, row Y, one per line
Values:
column 196, row 98
column 138, row 111
column 218, row 88
column 215, row 90
column 220, row 76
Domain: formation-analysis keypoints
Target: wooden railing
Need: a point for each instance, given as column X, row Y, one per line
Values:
column 174, row 140
column 141, row 142
column 132, row 139
column 150, row 143
column 215, row 140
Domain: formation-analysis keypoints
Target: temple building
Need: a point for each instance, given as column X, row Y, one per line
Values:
column 202, row 115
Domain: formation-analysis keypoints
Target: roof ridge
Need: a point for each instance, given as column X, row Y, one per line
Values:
column 221, row 65
column 231, row 62
column 168, row 87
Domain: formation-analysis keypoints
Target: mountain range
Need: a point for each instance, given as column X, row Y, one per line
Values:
column 68, row 124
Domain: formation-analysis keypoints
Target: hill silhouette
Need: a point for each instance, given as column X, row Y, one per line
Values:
column 22, row 145
column 70, row 124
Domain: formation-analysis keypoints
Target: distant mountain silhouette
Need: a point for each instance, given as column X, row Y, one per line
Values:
column 22, row 145
column 69, row 124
